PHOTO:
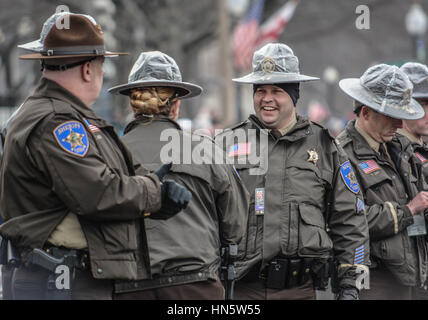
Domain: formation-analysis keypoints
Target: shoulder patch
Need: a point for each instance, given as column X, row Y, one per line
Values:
column 349, row 177
column 72, row 137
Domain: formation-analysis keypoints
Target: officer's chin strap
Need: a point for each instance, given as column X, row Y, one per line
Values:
column 63, row 67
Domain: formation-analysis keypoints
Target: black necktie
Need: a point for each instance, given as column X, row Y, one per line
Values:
column 384, row 154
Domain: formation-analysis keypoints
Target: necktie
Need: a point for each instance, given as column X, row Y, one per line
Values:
column 384, row 154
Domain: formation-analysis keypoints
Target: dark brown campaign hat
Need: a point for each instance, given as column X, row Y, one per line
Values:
column 81, row 36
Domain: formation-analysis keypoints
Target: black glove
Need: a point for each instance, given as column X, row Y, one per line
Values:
column 348, row 293
column 175, row 197
column 162, row 171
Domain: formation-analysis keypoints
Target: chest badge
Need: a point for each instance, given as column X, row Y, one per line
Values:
column 313, row 156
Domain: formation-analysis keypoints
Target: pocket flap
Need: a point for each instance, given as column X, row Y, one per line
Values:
column 311, row 215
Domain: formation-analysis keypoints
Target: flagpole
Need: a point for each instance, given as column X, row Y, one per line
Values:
column 227, row 89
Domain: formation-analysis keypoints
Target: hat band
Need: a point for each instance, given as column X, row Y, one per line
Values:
column 58, row 51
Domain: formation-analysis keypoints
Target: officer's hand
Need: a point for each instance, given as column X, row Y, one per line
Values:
column 419, row 203
column 162, row 171
column 348, row 293
column 175, row 198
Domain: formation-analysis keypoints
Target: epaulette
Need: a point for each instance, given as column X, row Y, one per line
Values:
column 61, row 107
column 325, row 130
column 236, row 126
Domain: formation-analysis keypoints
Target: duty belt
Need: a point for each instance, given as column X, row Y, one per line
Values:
column 285, row 272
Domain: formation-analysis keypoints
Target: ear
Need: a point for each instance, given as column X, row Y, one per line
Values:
column 175, row 110
column 86, row 72
column 365, row 112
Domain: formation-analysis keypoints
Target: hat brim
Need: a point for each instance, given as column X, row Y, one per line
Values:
column 274, row 77
column 353, row 88
column 38, row 56
column 186, row 90
column 420, row 95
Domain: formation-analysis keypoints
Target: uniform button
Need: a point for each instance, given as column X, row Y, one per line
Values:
column 393, row 177
column 405, row 174
column 308, row 132
column 99, row 270
column 170, row 280
column 200, row 275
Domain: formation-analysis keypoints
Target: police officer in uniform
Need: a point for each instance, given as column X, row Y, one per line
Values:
column 71, row 202
column 409, row 139
column 185, row 250
column 305, row 202
column 382, row 99
column 410, row 136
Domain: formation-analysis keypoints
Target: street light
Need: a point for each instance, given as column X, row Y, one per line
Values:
column 416, row 25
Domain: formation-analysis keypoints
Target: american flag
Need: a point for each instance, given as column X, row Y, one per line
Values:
column 239, row 149
column 92, row 127
column 369, row 166
column 421, row 157
column 245, row 36
column 271, row 30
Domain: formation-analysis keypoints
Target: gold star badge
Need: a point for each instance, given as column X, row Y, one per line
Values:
column 75, row 139
column 313, row 156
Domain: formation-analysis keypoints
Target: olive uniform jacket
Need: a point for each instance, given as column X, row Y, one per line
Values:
column 418, row 157
column 186, row 247
column 60, row 157
column 310, row 204
column 386, row 193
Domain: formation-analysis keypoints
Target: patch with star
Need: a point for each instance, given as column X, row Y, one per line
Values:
column 349, row 177
column 72, row 137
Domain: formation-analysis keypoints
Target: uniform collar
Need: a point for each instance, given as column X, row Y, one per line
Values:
column 51, row 89
column 360, row 145
column 372, row 142
column 148, row 119
column 410, row 136
column 289, row 126
column 300, row 129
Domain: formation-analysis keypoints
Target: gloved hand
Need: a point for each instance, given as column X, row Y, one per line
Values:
column 175, row 197
column 348, row 293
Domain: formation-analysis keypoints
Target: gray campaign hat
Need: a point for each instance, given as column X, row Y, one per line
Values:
column 275, row 63
column 156, row 69
column 418, row 75
column 387, row 90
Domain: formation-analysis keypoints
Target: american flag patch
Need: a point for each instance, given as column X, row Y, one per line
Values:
column 421, row 157
column 239, row 149
column 369, row 166
column 359, row 255
column 93, row 128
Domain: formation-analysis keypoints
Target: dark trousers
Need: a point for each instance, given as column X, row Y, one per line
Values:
column 255, row 289
column 6, row 279
column 30, row 283
column 384, row 286
column 205, row 290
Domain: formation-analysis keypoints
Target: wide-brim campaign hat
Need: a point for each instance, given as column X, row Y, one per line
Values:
column 418, row 75
column 68, row 35
column 275, row 63
column 156, row 69
column 385, row 89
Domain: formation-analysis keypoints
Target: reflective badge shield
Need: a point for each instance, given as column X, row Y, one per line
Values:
column 72, row 137
column 349, row 177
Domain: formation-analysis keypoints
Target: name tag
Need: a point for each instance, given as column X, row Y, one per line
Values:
column 259, row 206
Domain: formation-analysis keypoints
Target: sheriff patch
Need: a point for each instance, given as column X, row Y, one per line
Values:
column 349, row 177
column 369, row 166
column 72, row 137
column 421, row 157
